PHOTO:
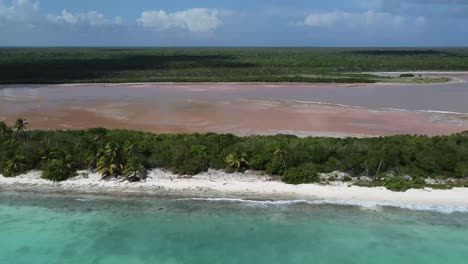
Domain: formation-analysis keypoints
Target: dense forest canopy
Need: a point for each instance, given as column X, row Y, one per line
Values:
column 66, row 65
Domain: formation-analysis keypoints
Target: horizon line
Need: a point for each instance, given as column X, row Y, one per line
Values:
column 241, row 46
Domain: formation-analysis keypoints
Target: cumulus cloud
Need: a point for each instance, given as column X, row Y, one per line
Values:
column 29, row 13
column 19, row 11
column 424, row 2
column 89, row 18
column 196, row 20
column 433, row 8
column 369, row 18
column 398, row 3
column 327, row 19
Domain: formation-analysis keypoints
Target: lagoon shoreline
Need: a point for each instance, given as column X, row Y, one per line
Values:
column 217, row 185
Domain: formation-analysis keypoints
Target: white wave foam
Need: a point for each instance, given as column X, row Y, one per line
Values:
column 369, row 205
column 84, row 199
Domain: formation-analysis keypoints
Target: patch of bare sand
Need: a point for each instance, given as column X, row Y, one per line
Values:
column 251, row 185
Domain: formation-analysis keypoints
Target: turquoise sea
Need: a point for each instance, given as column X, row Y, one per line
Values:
column 67, row 230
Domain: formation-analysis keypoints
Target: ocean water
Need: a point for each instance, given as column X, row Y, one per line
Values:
column 53, row 229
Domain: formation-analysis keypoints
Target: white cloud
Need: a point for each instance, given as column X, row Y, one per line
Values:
column 429, row 8
column 326, row 19
column 28, row 13
column 89, row 18
column 19, row 11
column 197, row 20
column 368, row 19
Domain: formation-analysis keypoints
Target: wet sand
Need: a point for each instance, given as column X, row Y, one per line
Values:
column 243, row 109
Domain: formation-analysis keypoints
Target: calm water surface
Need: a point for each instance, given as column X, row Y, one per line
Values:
column 37, row 229
column 450, row 97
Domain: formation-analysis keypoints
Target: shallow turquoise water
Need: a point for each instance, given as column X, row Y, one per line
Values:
column 38, row 229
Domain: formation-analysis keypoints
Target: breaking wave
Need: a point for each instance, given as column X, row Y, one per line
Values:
column 371, row 205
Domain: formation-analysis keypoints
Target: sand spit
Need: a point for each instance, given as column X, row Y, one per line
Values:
column 250, row 185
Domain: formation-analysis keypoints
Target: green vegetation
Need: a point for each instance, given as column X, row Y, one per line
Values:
column 59, row 169
column 59, row 154
column 406, row 75
column 419, row 80
column 236, row 162
column 134, row 171
column 76, row 65
column 306, row 173
column 400, row 184
column 14, row 165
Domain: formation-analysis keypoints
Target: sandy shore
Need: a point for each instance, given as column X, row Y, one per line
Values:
column 216, row 184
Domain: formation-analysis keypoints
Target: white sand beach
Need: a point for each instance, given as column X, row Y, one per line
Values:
column 250, row 185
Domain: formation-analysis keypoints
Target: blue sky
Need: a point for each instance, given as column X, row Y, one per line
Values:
column 233, row 23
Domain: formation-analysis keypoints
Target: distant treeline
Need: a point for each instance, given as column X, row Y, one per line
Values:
column 68, row 65
column 296, row 160
column 407, row 52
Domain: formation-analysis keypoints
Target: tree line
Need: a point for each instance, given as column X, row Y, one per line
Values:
column 59, row 154
column 90, row 65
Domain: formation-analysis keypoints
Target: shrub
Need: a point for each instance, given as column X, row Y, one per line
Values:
column 461, row 170
column 419, row 181
column 259, row 162
column 199, row 151
column 192, row 166
column 274, row 167
column 14, row 167
column 347, row 178
column 58, row 170
column 398, row 184
column 331, row 165
column 406, row 75
column 229, row 170
column 303, row 174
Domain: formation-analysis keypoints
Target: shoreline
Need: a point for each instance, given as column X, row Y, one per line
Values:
column 241, row 187
column 451, row 79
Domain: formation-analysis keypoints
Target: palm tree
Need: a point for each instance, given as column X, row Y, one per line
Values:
column 111, row 151
column 281, row 153
column 129, row 149
column 108, row 163
column 20, row 126
column 100, row 135
column 134, row 171
column 46, row 151
column 92, row 160
column 237, row 161
column 14, row 166
column 108, row 167
column 4, row 130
